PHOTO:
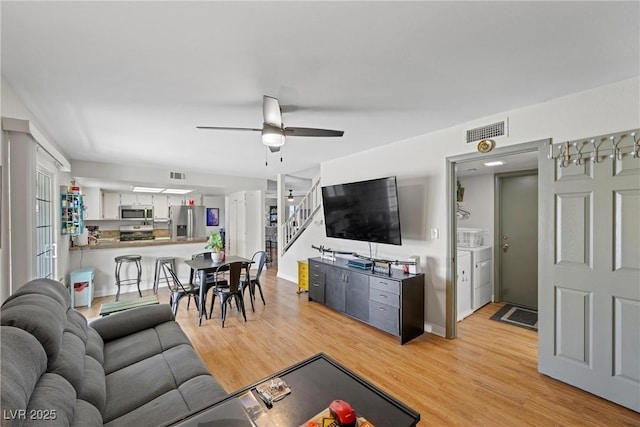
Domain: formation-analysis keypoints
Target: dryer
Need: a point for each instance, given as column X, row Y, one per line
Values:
column 481, row 275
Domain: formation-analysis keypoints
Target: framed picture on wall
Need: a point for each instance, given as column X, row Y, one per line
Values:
column 213, row 217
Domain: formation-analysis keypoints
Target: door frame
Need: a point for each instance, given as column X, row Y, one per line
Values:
column 497, row 216
column 451, row 327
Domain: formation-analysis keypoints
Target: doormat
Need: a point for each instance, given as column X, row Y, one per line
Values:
column 518, row 316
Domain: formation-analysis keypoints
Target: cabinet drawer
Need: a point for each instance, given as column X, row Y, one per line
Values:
column 383, row 297
column 386, row 285
column 316, row 271
column 384, row 317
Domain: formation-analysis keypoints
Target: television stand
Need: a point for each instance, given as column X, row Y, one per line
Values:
column 392, row 302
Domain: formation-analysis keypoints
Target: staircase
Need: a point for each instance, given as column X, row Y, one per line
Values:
column 302, row 215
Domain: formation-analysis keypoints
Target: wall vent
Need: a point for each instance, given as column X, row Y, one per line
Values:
column 488, row 132
column 177, row 175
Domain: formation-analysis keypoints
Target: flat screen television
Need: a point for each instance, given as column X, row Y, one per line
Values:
column 364, row 210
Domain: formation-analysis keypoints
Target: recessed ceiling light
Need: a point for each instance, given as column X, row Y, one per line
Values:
column 496, row 163
column 176, row 191
column 147, row 189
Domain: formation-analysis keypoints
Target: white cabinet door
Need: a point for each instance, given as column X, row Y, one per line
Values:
column 463, row 285
column 128, row 199
column 160, row 206
column 176, row 199
column 144, row 199
column 92, row 205
column 110, row 204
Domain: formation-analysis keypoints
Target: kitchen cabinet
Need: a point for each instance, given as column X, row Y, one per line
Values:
column 143, row 199
column 71, row 214
column 92, row 203
column 160, row 206
column 177, row 199
column 394, row 304
column 128, row 199
column 110, row 205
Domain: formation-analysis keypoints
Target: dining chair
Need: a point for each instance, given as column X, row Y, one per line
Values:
column 178, row 290
column 259, row 259
column 233, row 290
column 212, row 280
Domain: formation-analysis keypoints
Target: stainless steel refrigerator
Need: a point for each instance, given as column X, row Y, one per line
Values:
column 187, row 222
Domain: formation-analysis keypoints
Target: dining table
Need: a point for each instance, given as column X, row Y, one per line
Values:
column 202, row 267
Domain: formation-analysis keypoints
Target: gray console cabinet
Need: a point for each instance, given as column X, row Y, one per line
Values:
column 394, row 304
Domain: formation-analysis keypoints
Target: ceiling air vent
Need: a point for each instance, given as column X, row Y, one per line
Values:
column 488, row 132
column 177, row 175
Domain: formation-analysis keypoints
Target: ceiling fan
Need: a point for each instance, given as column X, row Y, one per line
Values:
column 274, row 131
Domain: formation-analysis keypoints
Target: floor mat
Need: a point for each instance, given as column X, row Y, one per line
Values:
column 519, row 316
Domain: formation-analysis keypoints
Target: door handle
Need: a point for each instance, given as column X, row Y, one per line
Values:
column 505, row 247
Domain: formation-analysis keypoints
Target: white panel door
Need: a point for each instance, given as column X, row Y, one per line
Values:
column 589, row 274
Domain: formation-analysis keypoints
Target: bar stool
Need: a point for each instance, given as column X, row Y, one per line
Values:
column 157, row 278
column 123, row 259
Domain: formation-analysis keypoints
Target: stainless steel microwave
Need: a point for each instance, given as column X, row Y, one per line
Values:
column 136, row 212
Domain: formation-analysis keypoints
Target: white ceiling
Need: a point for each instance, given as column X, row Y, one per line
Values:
column 127, row 82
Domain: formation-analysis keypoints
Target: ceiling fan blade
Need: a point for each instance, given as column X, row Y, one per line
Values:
column 274, row 149
column 295, row 131
column 227, row 128
column 271, row 111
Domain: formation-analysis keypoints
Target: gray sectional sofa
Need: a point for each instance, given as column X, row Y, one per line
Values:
column 136, row 367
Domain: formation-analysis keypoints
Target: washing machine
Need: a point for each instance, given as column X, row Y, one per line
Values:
column 481, row 275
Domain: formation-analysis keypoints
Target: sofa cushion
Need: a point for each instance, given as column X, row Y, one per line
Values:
column 152, row 377
column 47, row 287
column 77, row 325
column 70, row 361
column 184, row 363
column 130, row 349
column 55, row 395
column 86, row 414
column 95, row 345
column 195, row 394
column 124, row 323
column 162, row 410
column 41, row 316
column 23, row 362
column 94, row 388
column 200, row 392
column 170, row 334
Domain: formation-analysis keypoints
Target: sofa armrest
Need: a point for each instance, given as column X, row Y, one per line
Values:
column 127, row 322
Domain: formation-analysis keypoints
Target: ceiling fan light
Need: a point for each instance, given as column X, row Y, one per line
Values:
column 272, row 136
column 290, row 196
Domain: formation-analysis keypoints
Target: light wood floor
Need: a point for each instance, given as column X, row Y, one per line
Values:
column 486, row 377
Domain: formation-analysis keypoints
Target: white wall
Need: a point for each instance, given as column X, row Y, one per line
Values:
column 15, row 265
column 160, row 177
column 479, row 202
column 215, row 202
column 420, row 165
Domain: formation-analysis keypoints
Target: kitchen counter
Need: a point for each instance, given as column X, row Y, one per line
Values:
column 116, row 244
column 101, row 258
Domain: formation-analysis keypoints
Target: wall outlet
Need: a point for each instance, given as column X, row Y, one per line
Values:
column 434, row 233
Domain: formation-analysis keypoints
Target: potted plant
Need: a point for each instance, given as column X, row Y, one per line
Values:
column 216, row 244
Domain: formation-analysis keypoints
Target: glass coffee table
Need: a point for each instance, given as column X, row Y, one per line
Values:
column 315, row 383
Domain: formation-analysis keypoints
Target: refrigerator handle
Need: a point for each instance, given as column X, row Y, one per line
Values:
column 189, row 223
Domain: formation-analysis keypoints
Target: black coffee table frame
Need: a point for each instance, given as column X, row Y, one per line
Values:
column 314, row 383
